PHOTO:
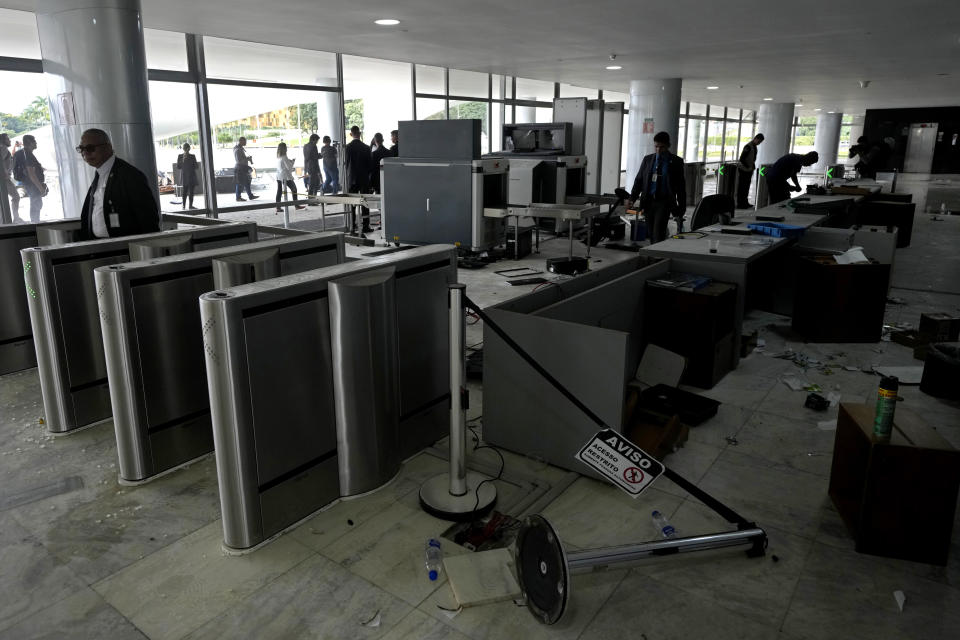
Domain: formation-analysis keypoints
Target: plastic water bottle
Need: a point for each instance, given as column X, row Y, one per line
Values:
column 434, row 558
column 663, row 526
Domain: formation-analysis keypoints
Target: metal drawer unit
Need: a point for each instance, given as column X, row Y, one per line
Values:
column 153, row 343
column 271, row 372
column 62, row 298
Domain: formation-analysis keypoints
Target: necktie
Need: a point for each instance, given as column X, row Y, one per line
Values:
column 93, row 193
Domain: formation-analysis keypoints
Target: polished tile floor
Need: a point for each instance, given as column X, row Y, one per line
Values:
column 83, row 557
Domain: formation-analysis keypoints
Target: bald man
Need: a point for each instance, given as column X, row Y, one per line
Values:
column 120, row 201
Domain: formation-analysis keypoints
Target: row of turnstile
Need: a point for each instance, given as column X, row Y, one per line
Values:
column 311, row 376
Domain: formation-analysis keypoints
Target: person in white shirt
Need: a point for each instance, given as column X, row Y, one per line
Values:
column 6, row 168
column 285, row 175
column 120, row 200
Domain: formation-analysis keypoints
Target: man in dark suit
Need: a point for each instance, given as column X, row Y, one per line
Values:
column 357, row 161
column 120, row 201
column 660, row 187
column 311, row 164
column 395, row 143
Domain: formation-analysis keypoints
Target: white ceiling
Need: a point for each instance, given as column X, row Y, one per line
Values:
column 809, row 52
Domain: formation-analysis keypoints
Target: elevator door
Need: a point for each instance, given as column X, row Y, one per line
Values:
column 920, row 145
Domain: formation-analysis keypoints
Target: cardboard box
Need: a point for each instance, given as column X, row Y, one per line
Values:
column 898, row 497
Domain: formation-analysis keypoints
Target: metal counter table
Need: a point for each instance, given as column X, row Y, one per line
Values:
column 560, row 212
column 731, row 263
column 352, row 200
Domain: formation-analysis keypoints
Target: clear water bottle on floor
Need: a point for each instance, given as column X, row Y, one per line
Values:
column 663, row 526
column 434, row 558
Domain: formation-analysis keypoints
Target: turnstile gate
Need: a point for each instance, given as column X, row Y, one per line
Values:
column 271, row 369
column 153, row 343
column 16, row 338
column 62, row 298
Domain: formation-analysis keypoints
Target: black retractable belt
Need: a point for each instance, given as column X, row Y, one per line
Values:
column 544, row 568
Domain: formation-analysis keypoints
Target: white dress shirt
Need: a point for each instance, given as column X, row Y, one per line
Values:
column 97, row 220
column 284, row 169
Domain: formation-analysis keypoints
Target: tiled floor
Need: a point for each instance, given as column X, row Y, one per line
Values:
column 83, row 557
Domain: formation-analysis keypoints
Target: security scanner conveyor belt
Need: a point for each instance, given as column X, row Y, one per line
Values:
column 16, row 338
column 62, row 298
column 153, row 339
column 299, row 422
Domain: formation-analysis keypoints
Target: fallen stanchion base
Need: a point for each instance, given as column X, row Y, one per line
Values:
column 544, row 568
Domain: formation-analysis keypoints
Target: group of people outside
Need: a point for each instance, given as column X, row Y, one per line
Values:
column 320, row 166
column 21, row 169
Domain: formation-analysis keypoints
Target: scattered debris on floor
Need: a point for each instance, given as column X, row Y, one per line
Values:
column 900, row 598
column 732, row 441
column 372, row 622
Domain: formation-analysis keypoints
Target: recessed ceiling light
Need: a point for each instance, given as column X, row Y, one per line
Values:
column 831, row 111
column 798, row 105
column 768, row 99
column 712, row 88
column 818, row 109
column 387, row 22
column 614, row 67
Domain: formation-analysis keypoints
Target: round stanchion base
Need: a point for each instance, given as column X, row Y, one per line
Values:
column 542, row 569
column 436, row 499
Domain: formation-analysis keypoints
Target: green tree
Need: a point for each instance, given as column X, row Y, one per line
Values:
column 468, row 111
column 12, row 124
column 308, row 117
column 353, row 112
column 37, row 112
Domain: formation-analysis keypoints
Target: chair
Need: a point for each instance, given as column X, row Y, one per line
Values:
column 711, row 210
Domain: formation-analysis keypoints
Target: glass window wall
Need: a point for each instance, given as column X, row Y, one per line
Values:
column 571, row 91
column 24, row 110
column 265, row 117
column 431, row 109
column 253, row 61
column 539, row 90
column 173, row 112
column 429, row 80
column 376, row 96
column 165, row 50
column 469, row 84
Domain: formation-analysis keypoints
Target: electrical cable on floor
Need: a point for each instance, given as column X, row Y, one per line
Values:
column 477, row 446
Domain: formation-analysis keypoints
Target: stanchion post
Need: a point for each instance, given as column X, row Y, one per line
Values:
column 458, row 494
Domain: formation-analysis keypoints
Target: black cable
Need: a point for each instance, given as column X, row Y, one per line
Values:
column 723, row 510
column 476, row 447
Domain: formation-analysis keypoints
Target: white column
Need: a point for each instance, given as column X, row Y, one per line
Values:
column 96, row 72
column 826, row 139
column 328, row 111
column 654, row 107
column 775, row 122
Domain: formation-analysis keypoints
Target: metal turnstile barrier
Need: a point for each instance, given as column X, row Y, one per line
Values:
column 271, row 372
column 366, row 389
column 693, row 173
column 62, row 298
column 763, row 191
column 728, row 175
column 153, row 341
column 16, row 337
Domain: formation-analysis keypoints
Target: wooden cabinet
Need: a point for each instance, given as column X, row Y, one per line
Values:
column 897, row 498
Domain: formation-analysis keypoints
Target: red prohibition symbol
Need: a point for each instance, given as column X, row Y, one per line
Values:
column 633, row 475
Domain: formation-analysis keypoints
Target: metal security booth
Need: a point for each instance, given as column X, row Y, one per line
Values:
column 64, row 317
column 153, row 341
column 286, row 402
